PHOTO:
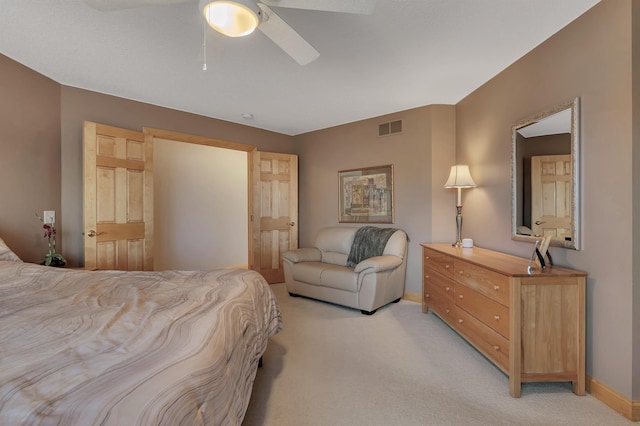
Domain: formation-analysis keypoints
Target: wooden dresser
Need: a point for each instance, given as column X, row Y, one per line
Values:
column 530, row 326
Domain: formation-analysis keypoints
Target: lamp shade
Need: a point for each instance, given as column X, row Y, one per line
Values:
column 460, row 177
column 232, row 18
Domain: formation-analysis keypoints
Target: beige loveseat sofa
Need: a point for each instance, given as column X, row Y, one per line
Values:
column 323, row 272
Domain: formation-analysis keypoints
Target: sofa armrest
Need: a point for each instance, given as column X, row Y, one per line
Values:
column 310, row 254
column 378, row 264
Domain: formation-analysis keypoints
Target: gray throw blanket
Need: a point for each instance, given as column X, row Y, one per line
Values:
column 369, row 241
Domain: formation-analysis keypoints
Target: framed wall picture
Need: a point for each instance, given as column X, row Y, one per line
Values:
column 366, row 195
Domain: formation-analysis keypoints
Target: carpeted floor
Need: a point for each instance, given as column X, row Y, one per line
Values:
column 334, row 366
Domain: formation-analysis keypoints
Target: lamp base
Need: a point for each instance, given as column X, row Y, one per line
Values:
column 459, row 226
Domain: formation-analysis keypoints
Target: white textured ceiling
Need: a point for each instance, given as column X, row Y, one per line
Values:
column 408, row 53
column 555, row 124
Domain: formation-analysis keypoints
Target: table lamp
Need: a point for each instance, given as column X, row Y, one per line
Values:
column 459, row 178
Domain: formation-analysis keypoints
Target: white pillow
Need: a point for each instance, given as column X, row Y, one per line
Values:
column 7, row 254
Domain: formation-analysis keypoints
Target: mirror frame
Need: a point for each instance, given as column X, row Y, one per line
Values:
column 574, row 105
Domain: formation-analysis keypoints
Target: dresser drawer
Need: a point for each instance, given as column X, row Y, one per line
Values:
column 489, row 283
column 441, row 303
column 491, row 344
column 438, row 262
column 433, row 279
column 486, row 310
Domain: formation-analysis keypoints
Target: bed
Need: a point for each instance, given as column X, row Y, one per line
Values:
column 114, row 348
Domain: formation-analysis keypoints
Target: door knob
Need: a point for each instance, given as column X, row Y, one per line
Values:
column 93, row 233
column 539, row 222
column 292, row 224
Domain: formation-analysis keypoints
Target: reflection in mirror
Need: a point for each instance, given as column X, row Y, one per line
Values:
column 545, row 152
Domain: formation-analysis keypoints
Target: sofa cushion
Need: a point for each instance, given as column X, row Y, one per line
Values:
column 326, row 275
column 308, row 254
column 339, row 259
column 308, row 272
column 335, row 244
column 341, row 278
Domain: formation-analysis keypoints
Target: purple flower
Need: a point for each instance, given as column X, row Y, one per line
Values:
column 49, row 231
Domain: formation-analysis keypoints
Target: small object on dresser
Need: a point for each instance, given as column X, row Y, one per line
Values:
column 540, row 260
column 540, row 250
column 532, row 258
column 467, row 243
column 544, row 250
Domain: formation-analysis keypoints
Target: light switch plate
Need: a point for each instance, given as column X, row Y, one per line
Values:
column 49, row 216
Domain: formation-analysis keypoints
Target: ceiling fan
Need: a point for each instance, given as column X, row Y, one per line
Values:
column 237, row 18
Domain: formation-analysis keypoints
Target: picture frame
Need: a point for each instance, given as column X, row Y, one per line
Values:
column 366, row 195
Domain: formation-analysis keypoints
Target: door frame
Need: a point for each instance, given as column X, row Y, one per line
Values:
column 152, row 133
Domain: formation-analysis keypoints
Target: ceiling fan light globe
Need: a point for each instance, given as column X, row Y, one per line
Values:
column 231, row 18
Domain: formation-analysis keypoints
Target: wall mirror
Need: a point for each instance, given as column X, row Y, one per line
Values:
column 545, row 182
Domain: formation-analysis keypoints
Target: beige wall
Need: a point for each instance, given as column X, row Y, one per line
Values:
column 421, row 155
column 29, row 157
column 591, row 58
column 79, row 105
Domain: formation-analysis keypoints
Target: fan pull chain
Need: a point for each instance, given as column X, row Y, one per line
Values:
column 204, row 45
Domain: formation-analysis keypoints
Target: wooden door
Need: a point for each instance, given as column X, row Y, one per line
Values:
column 551, row 196
column 118, row 198
column 274, row 215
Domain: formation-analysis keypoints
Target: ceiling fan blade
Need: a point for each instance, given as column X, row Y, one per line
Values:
column 109, row 5
column 286, row 37
column 364, row 7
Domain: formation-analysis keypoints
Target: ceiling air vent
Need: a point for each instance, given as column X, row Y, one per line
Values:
column 390, row 128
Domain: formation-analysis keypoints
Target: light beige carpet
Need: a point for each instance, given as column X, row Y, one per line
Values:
column 334, row 366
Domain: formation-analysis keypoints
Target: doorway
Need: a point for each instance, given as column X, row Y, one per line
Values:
column 272, row 199
column 200, row 205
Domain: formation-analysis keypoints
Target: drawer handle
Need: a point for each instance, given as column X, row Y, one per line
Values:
column 461, row 296
column 460, row 320
column 447, row 310
column 447, row 288
column 496, row 317
column 496, row 348
column 426, row 277
column 461, row 272
column 426, row 257
column 427, row 295
column 446, row 266
column 496, row 287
